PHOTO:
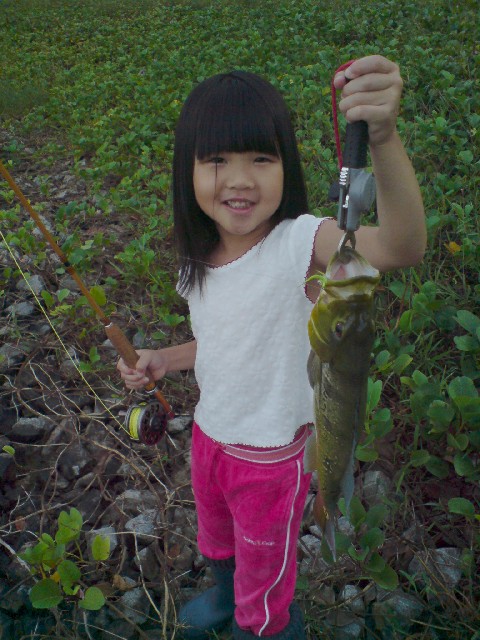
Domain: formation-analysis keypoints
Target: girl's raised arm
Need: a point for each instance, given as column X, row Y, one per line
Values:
column 373, row 95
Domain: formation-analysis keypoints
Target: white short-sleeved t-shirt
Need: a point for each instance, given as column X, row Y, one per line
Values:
column 250, row 323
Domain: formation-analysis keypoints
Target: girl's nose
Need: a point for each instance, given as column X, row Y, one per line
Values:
column 239, row 178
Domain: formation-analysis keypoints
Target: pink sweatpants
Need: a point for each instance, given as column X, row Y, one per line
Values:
column 252, row 511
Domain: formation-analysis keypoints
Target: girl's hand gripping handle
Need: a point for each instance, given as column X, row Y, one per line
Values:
column 126, row 351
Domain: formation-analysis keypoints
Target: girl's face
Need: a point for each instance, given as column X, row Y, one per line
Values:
column 240, row 192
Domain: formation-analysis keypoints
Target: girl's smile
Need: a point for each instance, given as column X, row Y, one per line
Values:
column 240, row 192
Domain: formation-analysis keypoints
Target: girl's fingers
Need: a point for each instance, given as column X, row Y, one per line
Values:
column 370, row 64
column 132, row 377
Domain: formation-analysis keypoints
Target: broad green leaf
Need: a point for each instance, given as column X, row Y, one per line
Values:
column 441, row 414
column 373, row 539
column 405, row 322
column 34, row 555
column 463, row 465
column 342, row 542
column 8, row 449
column 341, row 504
column 401, row 363
column 399, row 289
column 47, row 538
column 462, row 386
column 93, row 599
column 460, row 441
column 381, row 423
column 69, row 572
column 466, row 343
column 386, row 579
column 382, row 360
column 423, row 397
column 419, row 458
column 70, row 590
column 48, row 298
column 470, row 410
column 437, row 467
column 53, row 555
column 357, row 555
column 419, row 378
column 325, row 551
column 62, row 294
column 466, row 156
column 474, row 437
column 93, row 354
column 376, row 515
column 374, row 392
column 46, row 594
column 376, row 563
column 98, row 294
column 365, row 454
column 461, row 506
column 101, row 548
column 69, row 526
column 356, row 513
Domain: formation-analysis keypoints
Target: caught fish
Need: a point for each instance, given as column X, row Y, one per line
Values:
column 341, row 333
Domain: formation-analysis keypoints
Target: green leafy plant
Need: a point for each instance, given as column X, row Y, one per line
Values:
column 448, row 416
column 8, row 449
column 58, row 576
column 364, row 545
column 114, row 116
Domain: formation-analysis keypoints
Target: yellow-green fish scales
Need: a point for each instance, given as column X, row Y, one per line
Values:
column 341, row 332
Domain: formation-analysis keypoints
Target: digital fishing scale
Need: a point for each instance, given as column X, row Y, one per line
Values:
column 355, row 190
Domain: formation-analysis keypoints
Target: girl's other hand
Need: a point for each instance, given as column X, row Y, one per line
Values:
column 371, row 90
column 137, row 378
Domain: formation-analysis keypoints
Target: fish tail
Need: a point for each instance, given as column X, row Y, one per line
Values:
column 330, row 538
column 325, row 521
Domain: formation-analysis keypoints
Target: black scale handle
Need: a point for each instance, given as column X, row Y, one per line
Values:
column 354, row 152
column 356, row 145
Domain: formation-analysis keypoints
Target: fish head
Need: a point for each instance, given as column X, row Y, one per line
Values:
column 341, row 326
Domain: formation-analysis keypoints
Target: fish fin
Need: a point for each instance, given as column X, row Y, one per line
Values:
column 320, row 512
column 330, row 538
column 348, row 481
column 325, row 521
column 314, row 369
column 310, row 455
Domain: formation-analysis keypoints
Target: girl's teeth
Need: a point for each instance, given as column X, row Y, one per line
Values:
column 238, row 205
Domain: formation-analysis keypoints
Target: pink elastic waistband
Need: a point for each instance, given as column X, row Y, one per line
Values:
column 269, row 456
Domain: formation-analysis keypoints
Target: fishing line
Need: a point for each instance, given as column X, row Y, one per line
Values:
column 153, row 424
column 57, row 335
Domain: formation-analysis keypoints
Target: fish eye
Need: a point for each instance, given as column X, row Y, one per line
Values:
column 339, row 329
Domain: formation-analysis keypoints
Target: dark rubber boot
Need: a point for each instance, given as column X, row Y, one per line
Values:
column 295, row 629
column 213, row 609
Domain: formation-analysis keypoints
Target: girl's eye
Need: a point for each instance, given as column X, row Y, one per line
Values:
column 216, row 160
column 263, row 159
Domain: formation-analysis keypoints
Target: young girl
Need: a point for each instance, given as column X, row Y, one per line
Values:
column 247, row 245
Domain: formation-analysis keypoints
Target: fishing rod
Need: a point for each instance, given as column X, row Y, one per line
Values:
column 146, row 422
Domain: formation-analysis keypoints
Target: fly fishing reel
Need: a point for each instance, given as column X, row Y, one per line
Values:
column 146, row 422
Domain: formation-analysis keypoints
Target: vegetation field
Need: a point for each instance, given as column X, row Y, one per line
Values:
column 90, row 93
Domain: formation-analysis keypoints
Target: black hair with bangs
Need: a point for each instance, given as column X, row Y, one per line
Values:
column 229, row 112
